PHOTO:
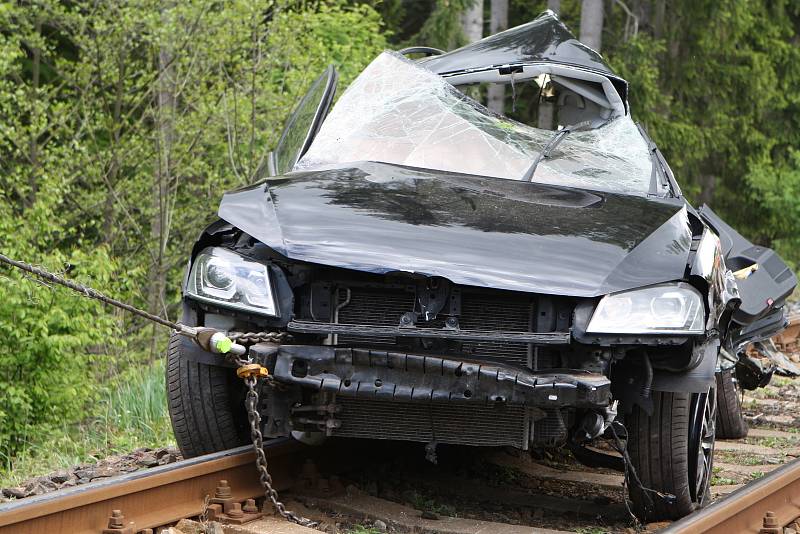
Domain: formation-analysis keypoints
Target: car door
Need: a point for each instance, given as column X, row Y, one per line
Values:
column 303, row 123
column 764, row 290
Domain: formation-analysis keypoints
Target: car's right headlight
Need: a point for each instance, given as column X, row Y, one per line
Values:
column 675, row 308
column 224, row 278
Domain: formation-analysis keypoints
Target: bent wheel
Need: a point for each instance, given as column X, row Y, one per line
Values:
column 672, row 451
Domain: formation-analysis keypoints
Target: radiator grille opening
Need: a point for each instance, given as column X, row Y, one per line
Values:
column 486, row 312
column 373, row 306
column 479, row 310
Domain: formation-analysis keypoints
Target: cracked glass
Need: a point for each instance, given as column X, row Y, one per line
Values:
column 400, row 113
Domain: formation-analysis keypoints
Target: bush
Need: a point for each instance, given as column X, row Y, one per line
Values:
column 52, row 339
column 131, row 412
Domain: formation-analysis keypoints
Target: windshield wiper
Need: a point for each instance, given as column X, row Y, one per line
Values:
column 551, row 145
column 660, row 177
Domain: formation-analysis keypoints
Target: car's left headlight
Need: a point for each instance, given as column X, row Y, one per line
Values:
column 675, row 308
column 222, row 277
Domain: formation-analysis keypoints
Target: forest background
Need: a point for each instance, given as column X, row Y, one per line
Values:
column 122, row 123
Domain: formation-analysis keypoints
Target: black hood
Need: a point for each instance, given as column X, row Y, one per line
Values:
column 486, row 232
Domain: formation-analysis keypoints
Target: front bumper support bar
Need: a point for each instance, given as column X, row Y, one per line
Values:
column 386, row 375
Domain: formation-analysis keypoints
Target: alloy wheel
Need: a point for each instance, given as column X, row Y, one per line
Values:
column 701, row 443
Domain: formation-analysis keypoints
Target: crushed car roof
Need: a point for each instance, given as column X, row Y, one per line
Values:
column 544, row 39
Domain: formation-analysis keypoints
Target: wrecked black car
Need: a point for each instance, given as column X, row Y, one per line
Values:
column 431, row 271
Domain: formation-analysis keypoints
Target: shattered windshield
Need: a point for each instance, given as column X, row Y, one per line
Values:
column 399, row 112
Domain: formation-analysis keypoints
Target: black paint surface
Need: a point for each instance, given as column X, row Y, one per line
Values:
column 486, row 232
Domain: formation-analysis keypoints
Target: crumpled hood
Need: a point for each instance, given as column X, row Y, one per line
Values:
column 486, row 232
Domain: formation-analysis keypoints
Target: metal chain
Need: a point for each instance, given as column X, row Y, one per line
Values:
column 249, row 338
column 88, row 292
column 244, row 338
column 251, row 403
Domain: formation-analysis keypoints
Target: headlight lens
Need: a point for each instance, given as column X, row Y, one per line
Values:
column 662, row 309
column 222, row 277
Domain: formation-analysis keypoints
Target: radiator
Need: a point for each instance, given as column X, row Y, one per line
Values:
column 488, row 310
column 486, row 426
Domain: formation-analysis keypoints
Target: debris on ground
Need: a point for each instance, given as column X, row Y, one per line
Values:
column 142, row 458
column 788, row 340
column 783, row 364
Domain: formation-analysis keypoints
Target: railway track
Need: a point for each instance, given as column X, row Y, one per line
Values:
column 150, row 498
column 769, row 505
column 165, row 495
column 470, row 491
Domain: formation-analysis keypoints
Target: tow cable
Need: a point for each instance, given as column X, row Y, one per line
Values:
column 213, row 341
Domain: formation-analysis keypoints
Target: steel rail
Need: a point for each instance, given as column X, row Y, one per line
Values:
column 163, row 495
column 743, row 510
column 150, row 497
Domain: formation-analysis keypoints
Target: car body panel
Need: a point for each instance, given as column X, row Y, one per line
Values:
column 761, row 293
column 472, row 230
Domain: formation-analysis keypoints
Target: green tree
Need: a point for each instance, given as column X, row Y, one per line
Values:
column 122, row 125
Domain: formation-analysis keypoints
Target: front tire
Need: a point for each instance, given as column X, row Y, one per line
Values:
column 205, row 403
column 730, row 419
column 672, row 451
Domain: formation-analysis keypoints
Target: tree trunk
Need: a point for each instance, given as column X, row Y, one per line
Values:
column 496, row 94
column 547, row 110
column 658, row 18
column 472, row 21
column 165, row 113
column 708, row 185
column 592, row 23
column 33, row 143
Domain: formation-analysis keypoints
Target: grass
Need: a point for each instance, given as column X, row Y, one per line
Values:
column 722, row 481
column 750, row 404
column 499, row 474
column 131, row 413
column 772, row 442
column 781, row 381
column 361, row 529
column 424, row 503
column 769, row 392
column 734, row 457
